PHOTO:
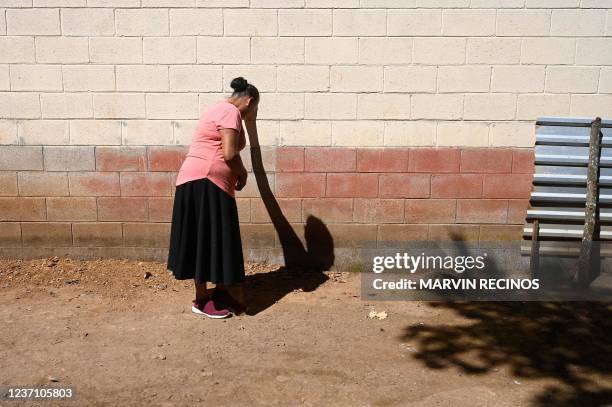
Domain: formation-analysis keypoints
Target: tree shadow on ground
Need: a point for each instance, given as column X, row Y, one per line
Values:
column 566, row 343
column 304, row 266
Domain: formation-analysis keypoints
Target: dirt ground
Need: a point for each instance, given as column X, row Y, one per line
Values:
column 121, row 333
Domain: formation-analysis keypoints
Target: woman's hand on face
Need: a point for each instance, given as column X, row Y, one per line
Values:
column 251, row 115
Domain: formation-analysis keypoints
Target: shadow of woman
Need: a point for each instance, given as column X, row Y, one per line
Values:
column 304, row 266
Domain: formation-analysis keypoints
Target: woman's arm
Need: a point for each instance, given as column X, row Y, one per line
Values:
column 242, row 140
column 230, row 141
column 250, row 119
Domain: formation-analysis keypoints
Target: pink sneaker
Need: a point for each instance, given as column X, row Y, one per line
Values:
column 225, row 300
column 211, row 310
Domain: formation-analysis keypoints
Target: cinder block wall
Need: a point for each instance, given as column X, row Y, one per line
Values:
column 385, row 119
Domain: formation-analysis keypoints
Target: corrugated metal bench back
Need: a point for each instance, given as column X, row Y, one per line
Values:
column 559, row 184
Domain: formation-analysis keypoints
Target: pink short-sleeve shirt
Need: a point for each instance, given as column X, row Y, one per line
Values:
column 205, row 156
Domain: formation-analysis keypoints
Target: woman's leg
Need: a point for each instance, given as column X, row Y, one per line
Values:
column 239, row 293
column 235, row 290
column 232, row 296
column 202, row 292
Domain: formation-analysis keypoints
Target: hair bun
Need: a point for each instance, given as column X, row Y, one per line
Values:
column 239, row 84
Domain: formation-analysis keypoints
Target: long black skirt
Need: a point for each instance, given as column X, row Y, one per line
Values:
column 205, row 235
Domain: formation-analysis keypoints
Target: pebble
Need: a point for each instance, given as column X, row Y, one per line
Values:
column 52, row 261
column 379, row 315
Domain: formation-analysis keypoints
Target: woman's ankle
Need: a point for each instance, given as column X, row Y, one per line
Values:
column 202, row 299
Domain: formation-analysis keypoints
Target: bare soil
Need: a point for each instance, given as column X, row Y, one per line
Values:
column 121, row 333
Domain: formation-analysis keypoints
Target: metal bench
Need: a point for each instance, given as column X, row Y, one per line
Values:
column 558, row 221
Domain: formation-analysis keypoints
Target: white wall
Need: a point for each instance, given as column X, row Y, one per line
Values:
column 368, row 73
